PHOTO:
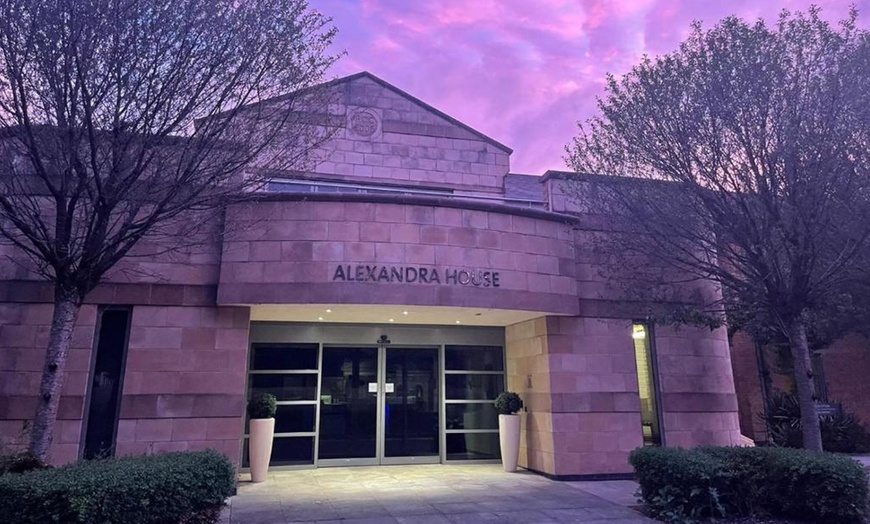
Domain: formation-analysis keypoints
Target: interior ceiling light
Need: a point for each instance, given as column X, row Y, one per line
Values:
column 404, row 312
column 391, row 320
column 329, row 311
column 319, row 318
column 458, row 322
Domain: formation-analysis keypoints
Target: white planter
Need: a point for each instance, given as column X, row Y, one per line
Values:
column 262, row 431
column 509, row 440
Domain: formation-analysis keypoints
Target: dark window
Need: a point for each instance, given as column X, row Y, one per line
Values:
column 472, row 446
column 474, row 358
column 474, row 387
column 295, row 418
column 286, row 386
column 820, row 384
column 287, row 451
column 283, row 357
column 472, row 416
column 107, row 382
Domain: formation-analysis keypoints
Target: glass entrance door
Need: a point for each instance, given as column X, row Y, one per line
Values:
column 411, row 403
column 349, row 406
column 379, row 406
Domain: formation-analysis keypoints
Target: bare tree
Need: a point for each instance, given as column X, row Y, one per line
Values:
column 119, row 119
column 748, row 153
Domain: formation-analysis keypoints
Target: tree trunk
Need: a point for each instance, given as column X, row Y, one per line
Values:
column 800, row 351
column 66, row 310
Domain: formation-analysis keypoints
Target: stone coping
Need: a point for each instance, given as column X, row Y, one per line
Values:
column 420, row 200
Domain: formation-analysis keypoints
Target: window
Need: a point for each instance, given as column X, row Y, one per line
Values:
column 473, row 377
column 644, row 354
column 288, row 371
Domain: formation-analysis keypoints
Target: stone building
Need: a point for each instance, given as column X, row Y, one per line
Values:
column 385, row 297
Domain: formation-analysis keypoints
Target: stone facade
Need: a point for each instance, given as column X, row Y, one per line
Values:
column 391, row 137
column 281, row 249
column 449, row 208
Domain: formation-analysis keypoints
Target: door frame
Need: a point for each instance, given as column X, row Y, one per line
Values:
column 380, row 423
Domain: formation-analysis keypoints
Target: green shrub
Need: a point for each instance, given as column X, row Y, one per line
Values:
column 20, row 462
column 783, row 420
column 508, row 403
column 262, row 405
column 842, row 432
column 680, row 485
column 187, row 488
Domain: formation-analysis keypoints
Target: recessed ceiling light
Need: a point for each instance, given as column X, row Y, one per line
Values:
column 319, row 318
column 391, row 320
column 329, row 311
column 404, row 312
column 458, row 322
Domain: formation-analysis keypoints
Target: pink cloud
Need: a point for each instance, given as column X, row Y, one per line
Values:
column 522, row 72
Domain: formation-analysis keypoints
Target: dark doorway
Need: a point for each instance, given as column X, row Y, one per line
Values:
column 107, row 380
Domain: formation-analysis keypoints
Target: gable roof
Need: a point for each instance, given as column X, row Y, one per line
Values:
column 411, row 98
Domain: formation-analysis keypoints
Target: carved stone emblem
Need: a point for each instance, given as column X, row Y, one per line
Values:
column 363, row 123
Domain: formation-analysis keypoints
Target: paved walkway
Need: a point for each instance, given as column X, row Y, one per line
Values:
column 425, row 495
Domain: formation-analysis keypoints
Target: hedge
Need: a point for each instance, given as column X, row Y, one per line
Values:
column 188, row 488
column 679, row 485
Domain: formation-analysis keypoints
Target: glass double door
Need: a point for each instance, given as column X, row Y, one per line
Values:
column 379, row 405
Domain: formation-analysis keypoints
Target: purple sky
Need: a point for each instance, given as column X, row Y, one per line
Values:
column 524, row 71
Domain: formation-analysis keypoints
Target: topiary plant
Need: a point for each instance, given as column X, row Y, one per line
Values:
column 262, row 405
column 508, row 403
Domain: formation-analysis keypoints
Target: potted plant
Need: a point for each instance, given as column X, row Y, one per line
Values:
column 261, row 411
column 508, row 404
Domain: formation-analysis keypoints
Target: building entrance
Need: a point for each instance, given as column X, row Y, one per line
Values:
column 379, row 406
column 373, row 394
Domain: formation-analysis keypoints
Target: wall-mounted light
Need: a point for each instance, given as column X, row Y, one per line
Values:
column 638, row 332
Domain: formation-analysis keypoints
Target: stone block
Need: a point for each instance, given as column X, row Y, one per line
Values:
column 126, row 430
column 420, row 254
column 390, row 253
column 375, row 232
column 343, row 231
column 462, row 236
column 405, row 233
column 153, row 430
column 328, row 252
column 232, row 339
column 433, row 235
column 359, row 251
column 265, row 251
column 198, row 338
column 62, row 453
column 68, row 431
column 224, row 428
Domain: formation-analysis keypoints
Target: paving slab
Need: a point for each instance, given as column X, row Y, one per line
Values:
column 426, row 494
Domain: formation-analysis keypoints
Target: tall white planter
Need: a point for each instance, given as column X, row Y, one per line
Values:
column 509, row 440
column 262, row 431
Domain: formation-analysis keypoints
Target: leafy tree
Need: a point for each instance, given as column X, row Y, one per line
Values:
column 122, row 119
column 748, row 158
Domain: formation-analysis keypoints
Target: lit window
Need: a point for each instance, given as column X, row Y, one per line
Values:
column 646, row 382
